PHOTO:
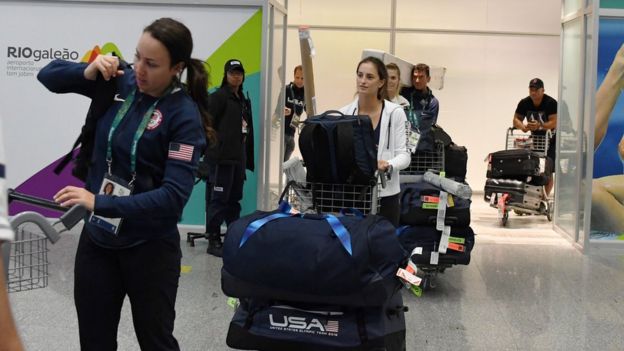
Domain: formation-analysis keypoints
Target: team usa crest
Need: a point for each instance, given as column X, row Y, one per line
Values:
column 155, row 121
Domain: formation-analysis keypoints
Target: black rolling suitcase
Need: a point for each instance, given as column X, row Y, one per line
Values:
column 274, row 326
column 520, row 193
column 515, row 164
column 428, row 238
column 419, row 207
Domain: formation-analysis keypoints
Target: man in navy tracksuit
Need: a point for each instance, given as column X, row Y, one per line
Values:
column 232, row 155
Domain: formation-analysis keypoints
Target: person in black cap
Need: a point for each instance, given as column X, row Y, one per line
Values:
column 540, row 112
column 231, row 156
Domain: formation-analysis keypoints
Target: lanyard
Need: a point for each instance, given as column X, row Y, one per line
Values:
column 137, row 135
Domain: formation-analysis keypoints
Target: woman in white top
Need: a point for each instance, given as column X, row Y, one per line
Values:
column 389, row 123
column 394, row 85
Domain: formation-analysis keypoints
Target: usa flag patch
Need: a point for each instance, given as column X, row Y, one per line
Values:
column 182, row 152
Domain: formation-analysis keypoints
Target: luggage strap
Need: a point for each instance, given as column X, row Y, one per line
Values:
column 337, row 227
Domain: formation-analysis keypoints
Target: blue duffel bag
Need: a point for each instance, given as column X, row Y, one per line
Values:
column 274, row 326
column 347, row 260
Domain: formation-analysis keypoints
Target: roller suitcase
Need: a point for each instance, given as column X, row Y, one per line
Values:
column 428, row 238
column 419, row 207
column 515, row 164
column 267, row 325
column 520, row 193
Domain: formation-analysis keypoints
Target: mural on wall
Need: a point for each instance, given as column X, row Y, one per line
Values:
column 51, row 123
column 607, row 212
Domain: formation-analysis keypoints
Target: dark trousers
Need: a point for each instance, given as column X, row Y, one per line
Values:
column 289, row 146
column 147, row 273
column 223, row 194
column 389, row 208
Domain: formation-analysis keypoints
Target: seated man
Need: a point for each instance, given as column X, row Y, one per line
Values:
column 540, row 111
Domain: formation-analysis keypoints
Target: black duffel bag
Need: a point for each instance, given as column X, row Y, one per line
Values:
column 428, row 238
column 339, row 149
column 346, row 260
column 415, row 212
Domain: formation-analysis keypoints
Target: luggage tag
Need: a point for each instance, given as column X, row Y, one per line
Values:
column 431, row 199
column 416, row 290
column 416, row 251
column 233, row 302
column 444, row 239
column 456, row 240
column 492, row 198
column 408, row 277
column 456, row 247
column 450, row 201
column 434, row 258
column 441, row 210
column 111, row 186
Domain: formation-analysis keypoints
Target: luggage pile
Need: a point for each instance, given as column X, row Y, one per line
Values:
column 317, row 280
column 516, row 176
column 435, row 206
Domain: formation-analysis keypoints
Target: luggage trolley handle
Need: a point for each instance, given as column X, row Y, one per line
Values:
column 69, row 219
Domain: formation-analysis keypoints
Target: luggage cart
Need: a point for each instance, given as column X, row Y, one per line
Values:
column 423, row 161
column 26, row 259
column 516, row 139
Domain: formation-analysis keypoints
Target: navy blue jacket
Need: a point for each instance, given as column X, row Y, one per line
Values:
column 163, row 184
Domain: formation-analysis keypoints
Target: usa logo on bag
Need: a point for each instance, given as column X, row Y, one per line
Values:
column 297, row 324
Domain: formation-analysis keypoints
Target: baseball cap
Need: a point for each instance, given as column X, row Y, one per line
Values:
column 536, row 83
column 234, row 65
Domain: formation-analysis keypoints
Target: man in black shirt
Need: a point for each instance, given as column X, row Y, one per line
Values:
column 540, row 111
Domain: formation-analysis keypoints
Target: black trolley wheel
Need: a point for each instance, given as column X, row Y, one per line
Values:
column 505, row 218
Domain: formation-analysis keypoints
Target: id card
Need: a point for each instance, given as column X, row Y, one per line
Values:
column 111, row 186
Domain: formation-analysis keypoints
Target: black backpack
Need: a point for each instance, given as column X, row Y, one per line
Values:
column 102, row 100
column 339, row 149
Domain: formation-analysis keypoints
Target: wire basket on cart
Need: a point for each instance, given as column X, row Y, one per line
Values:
column 28, row 261
column 423, row 161
column 332, row 198
column 312, row 197
column 517, row 139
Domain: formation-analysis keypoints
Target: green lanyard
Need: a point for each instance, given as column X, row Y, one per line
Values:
column 137, row 135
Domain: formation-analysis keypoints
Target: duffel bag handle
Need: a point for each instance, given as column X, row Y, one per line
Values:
column 337, row 227
column 331, row 114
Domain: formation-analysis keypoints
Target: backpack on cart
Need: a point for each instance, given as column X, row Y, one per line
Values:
column 339, row 149
column 347, row 260
column 428, row 238
column 273, row 326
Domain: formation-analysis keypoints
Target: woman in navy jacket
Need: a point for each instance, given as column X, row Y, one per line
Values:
column 148, row 144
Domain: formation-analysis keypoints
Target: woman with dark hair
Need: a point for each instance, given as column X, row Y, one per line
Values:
column 148, row 143
column 389, row 123
column 231, row 156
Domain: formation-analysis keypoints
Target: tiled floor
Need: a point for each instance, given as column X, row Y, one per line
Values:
column 525, row 289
